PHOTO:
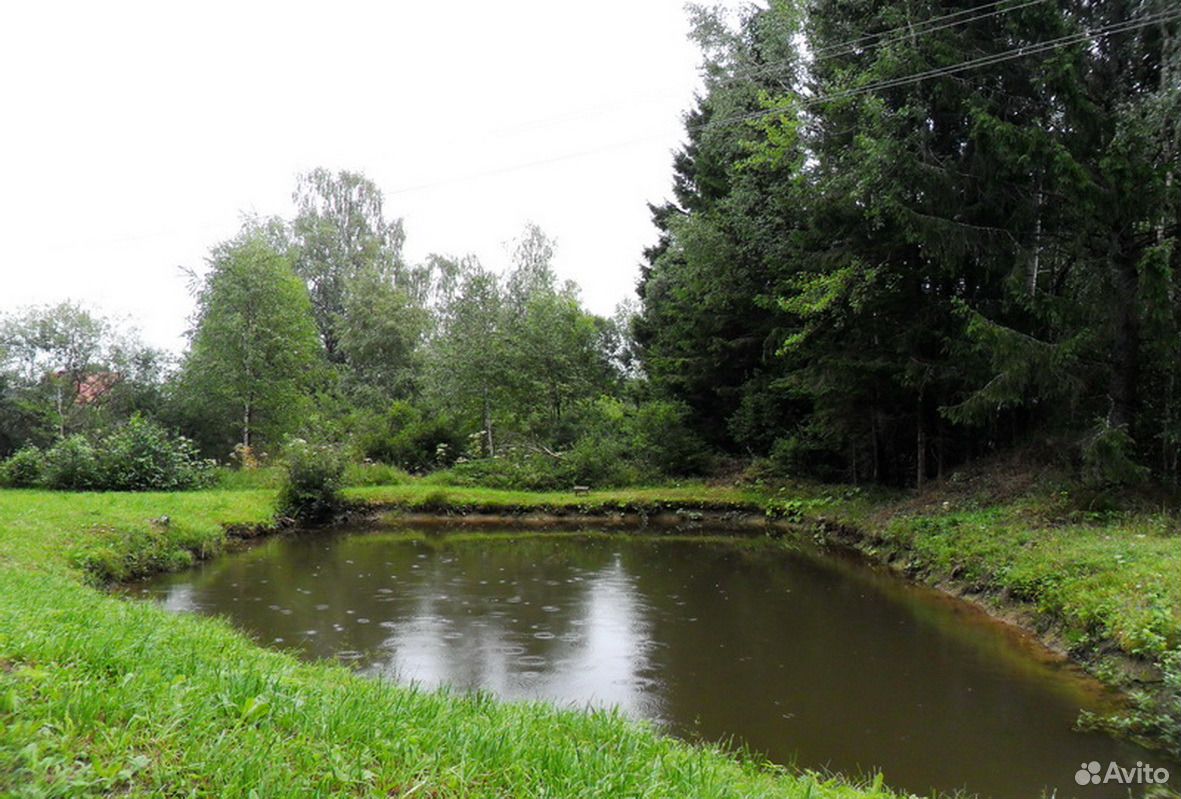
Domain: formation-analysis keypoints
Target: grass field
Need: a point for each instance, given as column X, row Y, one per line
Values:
column 100, row 695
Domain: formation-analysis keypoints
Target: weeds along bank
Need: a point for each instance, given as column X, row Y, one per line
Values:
column 115, row 695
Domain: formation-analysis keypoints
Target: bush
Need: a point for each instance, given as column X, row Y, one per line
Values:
column 599, row 461
column 1109, row 457
column 664, row 441
column 406, row 438
column 315, row 475
column 138, row 456
column 615, row 443
column 23, row 469
column 1153, row 714
column 621, row 443
column 510, row 470
column 71, row 464
column 593, row 462
column 142, row 456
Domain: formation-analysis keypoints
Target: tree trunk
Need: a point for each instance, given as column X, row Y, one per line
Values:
column 877, row 449
column 1035, row 267
column 61, row 414
column 247, row 420
column 489, row 450
column 921, row 449
column 1123, row 390
column 940, row 452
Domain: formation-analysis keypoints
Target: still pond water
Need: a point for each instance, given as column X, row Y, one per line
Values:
column 808, row 659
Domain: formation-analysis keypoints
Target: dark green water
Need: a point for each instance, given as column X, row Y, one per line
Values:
column 805, row 658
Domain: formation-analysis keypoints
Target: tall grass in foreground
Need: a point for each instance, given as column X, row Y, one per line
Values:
column 100, row 695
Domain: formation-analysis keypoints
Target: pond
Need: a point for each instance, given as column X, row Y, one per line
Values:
column 803, row 657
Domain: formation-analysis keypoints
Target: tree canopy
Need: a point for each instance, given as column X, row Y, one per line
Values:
column 254, row 353
column 878, row 263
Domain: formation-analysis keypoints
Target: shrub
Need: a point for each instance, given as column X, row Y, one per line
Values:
column 664, row 441
column 599, row 461
column 142, row 456
column 406, row 438
column 613, row 443
column 23, row 469
column 71, row 464
column 620, row 443
column 315, row 475
column 509, row 470
column 138, row 456
column 1109, row 457
column 806, row 453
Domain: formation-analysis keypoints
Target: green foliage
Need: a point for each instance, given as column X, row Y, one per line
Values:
column 23, row 469
column 1153, row 713
column 511, row 470
column 662, row 439
column 642, row 441
column 255, row 354
column 901, row 274
column 315, row 475
column 1109, row 456
column 141, row 456
column 72, row 464
column 615, row 444
column 379, row 331
column 518, row 352
column 66, row 370
column 343, row 247
column 406, row 437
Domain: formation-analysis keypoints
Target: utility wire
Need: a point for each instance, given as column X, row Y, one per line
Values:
column 889, row 83
column 953, row 69
column 875, row 40
column 925, row 26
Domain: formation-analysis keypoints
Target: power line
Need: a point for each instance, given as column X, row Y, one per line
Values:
column 904, row 31
column 976, row 63
column 517, row 167
column 891, row 36
column 902, row 80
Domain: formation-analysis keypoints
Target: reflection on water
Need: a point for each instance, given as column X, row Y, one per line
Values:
column 523, row 648
column 806, row 659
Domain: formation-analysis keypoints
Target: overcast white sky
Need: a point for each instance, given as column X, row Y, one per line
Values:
column 132, row 135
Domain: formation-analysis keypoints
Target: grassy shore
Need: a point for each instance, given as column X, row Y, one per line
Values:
column 1101, row 581
column 102, row 695
column 1099, row 585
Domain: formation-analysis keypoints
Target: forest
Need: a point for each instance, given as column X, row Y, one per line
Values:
column 870, row 270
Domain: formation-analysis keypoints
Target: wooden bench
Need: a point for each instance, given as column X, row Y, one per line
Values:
column 581, row 491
